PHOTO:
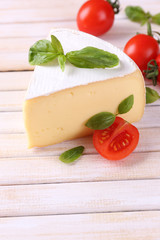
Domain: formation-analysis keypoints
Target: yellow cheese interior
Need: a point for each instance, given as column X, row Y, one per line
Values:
column 62, row 115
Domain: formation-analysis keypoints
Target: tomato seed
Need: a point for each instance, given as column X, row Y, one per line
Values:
column 115, row 148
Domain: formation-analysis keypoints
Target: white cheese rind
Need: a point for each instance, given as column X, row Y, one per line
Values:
column 49, row 78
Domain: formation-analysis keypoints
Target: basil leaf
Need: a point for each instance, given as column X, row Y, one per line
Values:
column 56, row 45
column 41, row 52
column 137, row 14
column 62, row 61
column 71, row 155
column 101, row 121
column 126, row 105
column 151, row 95
column 91, row 57
column 156, row 19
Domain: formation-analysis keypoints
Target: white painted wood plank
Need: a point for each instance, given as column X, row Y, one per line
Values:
column 15, row 145
column 33, row 170
column 18, row 4
column 69, row 198
column 14, row 80
column 32, row 29
column 99, row 226
column 122, row 27
column 14, row 62
column 11, row 100
column 11, row 122
column 59, row 10
column 17, row 45
column 39, row 4
column 150, row 119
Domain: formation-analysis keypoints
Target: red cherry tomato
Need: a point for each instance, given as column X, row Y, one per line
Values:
column 158, row 63
column 95, row 17
column 117, row 141
column 142, row 48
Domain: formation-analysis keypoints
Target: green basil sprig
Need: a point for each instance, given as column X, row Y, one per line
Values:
column 44, row 51
column 137, row 14
column 151, row 95
column 71, row 155
column 126, row 105
column 104, row 120
column 56, row 45
column 101, row 121
column 156, row 18
column 62, row 61
column 91, row 57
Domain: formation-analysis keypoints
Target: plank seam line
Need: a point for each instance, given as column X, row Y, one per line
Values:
column 2, row 111
column 75, row 182
column 13, row 71
column 91, row 134
column 32, row 156
column 85, row 213
column 12, row 90
column 81, row 183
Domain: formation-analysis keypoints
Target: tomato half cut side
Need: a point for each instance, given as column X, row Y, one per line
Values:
column 117, row 141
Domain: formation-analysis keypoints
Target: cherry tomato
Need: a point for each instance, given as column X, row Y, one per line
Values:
column 117, row 141
column 158, row 63
column 142, row 48
column 95, row 17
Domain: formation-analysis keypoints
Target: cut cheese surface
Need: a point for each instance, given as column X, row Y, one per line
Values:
column 57, row 110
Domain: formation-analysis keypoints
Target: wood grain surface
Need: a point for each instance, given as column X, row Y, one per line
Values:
column 43, row 198
column 97, row 226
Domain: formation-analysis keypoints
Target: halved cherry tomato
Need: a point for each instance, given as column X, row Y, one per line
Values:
column 142, row 48
column 117, row 141
column 95, row 17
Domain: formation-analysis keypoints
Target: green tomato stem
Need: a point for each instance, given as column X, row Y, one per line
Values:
column 149, row 29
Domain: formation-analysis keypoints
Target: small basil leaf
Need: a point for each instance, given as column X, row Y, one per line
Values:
column 151, row 95
column 41, row 52
column 62, row 61
column 136, row 14
column 126, row 105
column 56, row 45
column 91, row 57
column 156, row 19
column 101, row 121
column 71, row 155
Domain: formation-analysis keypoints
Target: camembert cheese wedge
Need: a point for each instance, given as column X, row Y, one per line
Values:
column 58, row 104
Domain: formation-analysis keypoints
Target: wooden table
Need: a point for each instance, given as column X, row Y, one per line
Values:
column 94, row 199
